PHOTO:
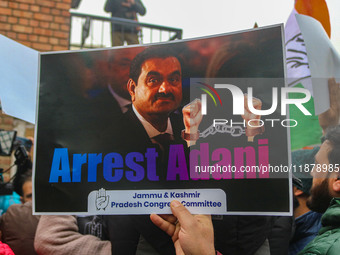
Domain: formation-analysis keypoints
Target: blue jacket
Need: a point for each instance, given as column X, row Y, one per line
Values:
column 307, row 227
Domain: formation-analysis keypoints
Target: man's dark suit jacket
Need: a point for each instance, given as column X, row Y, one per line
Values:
column 124, row 231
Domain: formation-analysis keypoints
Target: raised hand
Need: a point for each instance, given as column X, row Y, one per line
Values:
column 331, row 116
column 254, row 128
column 192, row 117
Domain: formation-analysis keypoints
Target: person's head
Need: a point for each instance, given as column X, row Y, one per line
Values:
column 26, row 187
column 326, row 181
column 119, row 70
column 302, row 180
column 155, row 83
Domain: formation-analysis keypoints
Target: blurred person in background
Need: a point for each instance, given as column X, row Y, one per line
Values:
column 126, row 9
column 18, row 225
column 325, row 196
column 306, row 222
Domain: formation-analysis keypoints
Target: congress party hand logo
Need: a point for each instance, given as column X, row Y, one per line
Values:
column 102, row 201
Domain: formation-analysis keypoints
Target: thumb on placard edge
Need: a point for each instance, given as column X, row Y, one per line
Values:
column 180, row 212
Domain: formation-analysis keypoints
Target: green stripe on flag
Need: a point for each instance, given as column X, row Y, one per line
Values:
column 308, row 131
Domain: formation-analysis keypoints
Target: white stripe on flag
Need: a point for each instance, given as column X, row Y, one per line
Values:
column 296, row 55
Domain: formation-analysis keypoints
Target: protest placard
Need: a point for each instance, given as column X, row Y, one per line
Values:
column 227, row 152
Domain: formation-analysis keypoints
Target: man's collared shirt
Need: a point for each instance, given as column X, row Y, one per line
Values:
column 150, row 130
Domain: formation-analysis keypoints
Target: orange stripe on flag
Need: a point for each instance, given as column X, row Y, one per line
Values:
column 317, row 9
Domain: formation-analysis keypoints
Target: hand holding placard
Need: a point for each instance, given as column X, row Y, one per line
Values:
column 191, row 234
column 252, row 120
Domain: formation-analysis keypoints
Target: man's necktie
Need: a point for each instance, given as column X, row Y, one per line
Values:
column 163, row 140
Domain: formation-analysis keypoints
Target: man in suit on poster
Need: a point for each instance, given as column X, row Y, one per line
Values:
column 155, row 86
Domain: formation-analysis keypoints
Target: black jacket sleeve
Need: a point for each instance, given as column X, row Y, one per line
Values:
column 115, row 6
column 139, row 7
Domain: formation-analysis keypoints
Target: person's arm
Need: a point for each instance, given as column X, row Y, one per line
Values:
column 59, row 235
column 139, row 7
column 192, row 117
column 107, row 6
column 191, row 234
column 254, row 128
column 135, row 5
column 330, row 117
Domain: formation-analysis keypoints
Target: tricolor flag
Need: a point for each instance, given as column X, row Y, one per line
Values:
column 308, row 131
